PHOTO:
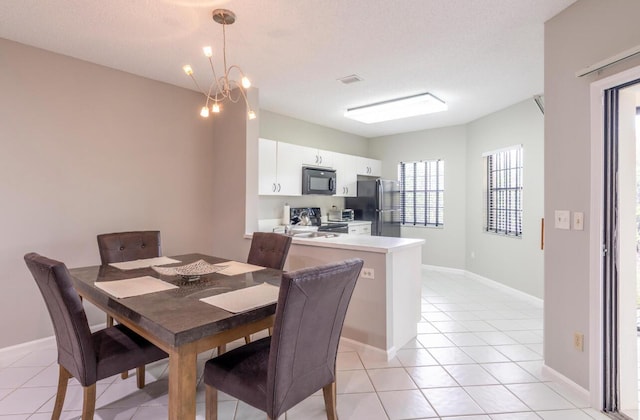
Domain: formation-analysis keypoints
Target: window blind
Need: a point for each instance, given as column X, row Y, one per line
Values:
column 504, row 192
column 422, row 192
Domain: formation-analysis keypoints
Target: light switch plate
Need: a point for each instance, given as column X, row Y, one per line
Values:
column 578, row 220
column 563, row 219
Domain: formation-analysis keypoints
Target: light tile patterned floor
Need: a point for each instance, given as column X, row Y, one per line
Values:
column 477, row 356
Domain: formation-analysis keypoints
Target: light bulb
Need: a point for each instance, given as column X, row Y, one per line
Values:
column 204, row 112
column 252, row 115
column 187, row 69
column 208, row 52
column 246, row 83
column 215, row 108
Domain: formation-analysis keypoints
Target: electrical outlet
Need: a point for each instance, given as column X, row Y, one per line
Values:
column 578, row 341
column 367, row 273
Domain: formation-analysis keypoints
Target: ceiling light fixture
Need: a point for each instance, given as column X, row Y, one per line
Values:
column 224, row 86
column 395, row 109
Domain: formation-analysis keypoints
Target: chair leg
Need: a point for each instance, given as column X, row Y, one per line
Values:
column 140, row 376
column 63, row 380
column 211, row 403
column 109, row 321
column 124, row 375
column 247, row 339
column 270, row 330
column 89, row 402
column 329, row 392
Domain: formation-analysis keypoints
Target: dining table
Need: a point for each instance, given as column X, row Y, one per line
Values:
column 177, row 320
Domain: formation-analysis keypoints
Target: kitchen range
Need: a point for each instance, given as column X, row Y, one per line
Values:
column 310, row 219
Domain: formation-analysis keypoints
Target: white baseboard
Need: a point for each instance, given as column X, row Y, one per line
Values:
column 559, row 377
column 443, row 269
column 365, row 348
column 505, row 288
column 487, row 281
column 38, row 344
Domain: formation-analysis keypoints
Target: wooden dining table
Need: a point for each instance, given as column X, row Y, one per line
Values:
column 177, row 321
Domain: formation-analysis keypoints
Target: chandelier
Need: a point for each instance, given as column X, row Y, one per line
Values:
column 223, row 87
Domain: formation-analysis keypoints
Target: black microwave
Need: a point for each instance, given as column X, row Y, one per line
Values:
column 318, row 181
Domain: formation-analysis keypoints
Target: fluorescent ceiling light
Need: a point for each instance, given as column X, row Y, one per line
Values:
column 395, row 109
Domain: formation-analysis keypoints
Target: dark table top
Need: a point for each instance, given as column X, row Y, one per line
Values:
column 176, row 316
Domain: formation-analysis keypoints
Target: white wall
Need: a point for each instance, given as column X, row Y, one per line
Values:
column 444, row 246
column 86, row 150
column 515, row 262
column 587, row 32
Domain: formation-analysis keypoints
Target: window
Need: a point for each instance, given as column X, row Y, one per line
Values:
column 504, row 192
column 422, row 192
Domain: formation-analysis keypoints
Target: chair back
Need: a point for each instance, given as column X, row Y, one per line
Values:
column 269, row 249
column 129, row 246
column 73, row 336
column 311, row 309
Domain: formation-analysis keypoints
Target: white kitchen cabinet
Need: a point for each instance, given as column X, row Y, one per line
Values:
column 289, row 169
column 279, row 168
column 316, row 157
column 346, row 175
column 367, row 166
column 360, row 228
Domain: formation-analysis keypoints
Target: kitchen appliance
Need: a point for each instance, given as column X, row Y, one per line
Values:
column 318, row 181
column 344, row 215
column 310, row 218
column 378, row 201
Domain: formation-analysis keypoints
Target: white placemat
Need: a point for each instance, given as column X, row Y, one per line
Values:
column 233, row 268
column 146, row 262
column 134, row 287
column 245, row 299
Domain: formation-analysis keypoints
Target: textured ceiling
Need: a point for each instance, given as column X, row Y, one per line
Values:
column 479, row 56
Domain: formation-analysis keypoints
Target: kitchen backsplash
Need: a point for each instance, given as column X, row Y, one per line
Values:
column 271, row 207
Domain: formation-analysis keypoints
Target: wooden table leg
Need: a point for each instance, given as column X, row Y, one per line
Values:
column 182, row 382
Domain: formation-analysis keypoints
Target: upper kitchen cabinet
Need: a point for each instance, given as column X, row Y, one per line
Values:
column 346, row 175
column 316, row 157
column 279, row 168
column 371, row 167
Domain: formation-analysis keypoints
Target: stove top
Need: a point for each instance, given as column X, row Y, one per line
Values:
column 305, row 216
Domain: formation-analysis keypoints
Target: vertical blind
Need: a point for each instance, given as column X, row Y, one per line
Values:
column 504, row 192
column 422, row 192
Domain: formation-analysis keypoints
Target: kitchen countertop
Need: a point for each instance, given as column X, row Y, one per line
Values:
column 379, row 244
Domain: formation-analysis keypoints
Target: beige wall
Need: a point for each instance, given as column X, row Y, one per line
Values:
column 587, row 32
column 84, row 150
column 515, row 262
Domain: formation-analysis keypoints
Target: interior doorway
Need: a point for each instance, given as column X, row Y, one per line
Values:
column 629, row 248
column 614, row 362
column 620, row 249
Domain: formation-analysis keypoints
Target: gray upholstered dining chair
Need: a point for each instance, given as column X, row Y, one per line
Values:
column 89, row 357
column 267, row 250
column 275, row 373
column 128, row 246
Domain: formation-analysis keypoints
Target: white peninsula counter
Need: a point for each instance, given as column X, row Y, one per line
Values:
column 385, row 307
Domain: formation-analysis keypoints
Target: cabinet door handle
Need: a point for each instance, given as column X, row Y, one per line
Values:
column 278, row 187
column 320, row 159
column 316, row 158
column 273, row 187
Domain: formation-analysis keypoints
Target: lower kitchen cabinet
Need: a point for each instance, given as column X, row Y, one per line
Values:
column 360, row 228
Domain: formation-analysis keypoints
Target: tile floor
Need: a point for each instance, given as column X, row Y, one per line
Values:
column 477, row 356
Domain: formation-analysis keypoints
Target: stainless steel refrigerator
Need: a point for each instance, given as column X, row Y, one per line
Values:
column 378, row 201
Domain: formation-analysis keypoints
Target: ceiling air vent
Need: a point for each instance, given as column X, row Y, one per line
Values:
column 347, row 80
